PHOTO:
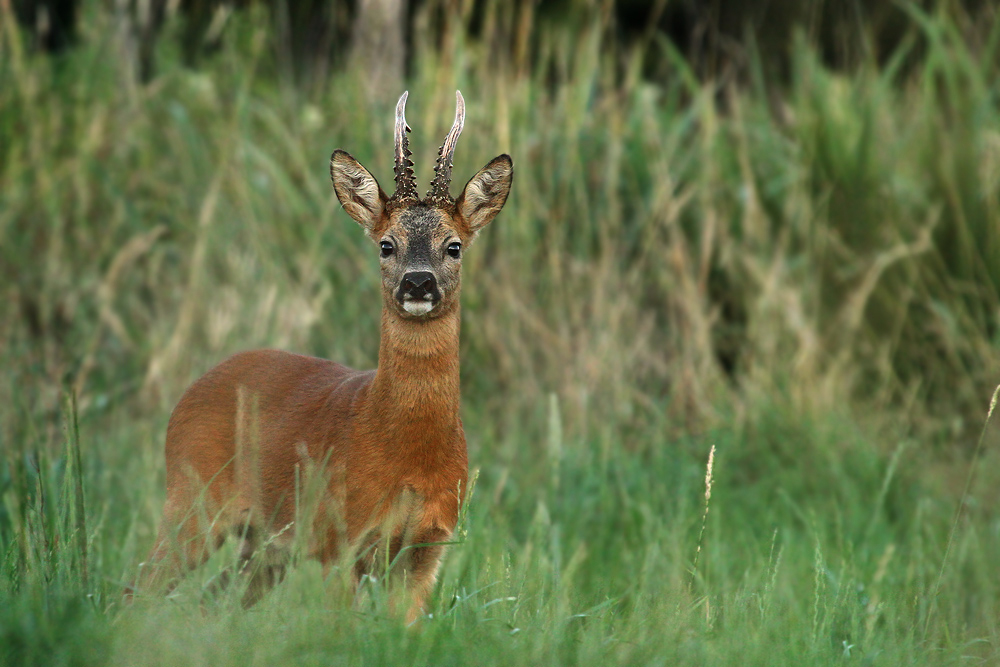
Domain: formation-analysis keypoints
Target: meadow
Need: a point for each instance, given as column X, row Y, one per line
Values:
column 797, row 280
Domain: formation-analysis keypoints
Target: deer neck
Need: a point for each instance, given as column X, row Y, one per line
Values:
column 417, row 378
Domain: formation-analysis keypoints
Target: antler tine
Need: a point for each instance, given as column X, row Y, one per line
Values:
column 442, row 170
column 406, row 186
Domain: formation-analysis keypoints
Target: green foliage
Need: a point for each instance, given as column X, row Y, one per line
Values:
column 807, row 278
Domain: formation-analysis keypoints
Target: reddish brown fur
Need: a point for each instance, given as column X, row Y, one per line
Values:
column 388, row 444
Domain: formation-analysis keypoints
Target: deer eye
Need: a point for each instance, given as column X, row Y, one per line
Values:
column 387, row 248
column 455, row 249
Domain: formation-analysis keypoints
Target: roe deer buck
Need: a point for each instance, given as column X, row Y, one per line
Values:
column 388, row 443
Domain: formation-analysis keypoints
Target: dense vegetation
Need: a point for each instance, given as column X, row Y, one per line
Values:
column 803, row 274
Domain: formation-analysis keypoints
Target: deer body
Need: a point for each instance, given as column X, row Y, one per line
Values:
column 387, row 446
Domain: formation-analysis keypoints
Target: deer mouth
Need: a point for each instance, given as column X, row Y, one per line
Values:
column 418, row 306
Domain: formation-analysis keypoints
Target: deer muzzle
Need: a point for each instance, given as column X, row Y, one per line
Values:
column 418, row 292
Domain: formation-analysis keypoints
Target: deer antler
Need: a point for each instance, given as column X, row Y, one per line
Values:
column 406, row 186
column 438, row 193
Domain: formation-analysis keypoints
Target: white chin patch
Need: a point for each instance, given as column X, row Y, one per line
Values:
column 418, row 307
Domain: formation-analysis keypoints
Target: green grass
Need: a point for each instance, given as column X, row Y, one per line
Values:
column 806, row 277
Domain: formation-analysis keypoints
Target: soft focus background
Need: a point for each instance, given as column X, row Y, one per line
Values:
column 771, row 227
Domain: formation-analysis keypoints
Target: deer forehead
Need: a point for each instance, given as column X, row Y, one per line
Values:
column 422, row 224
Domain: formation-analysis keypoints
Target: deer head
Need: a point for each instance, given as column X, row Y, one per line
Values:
column 421, row 241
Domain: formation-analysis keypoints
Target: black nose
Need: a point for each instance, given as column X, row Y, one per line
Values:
column 419, row 283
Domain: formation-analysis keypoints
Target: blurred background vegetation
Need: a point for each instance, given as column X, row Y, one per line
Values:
column 774, row 226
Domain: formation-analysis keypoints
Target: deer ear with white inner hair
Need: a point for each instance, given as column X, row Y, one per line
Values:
column 358, row 191
column 485, row 193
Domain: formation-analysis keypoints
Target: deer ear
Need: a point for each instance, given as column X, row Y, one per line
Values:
column 358, row 191
column 485, row 193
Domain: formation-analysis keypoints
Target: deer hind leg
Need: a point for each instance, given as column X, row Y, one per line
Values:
column 196, row 520
column 259, row 567
column 188, row 535
column 263, row 566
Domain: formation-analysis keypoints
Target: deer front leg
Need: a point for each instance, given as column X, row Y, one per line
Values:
column 422, row 568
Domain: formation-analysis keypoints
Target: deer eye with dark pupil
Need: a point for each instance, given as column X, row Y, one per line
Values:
column 386, row 248
column 455, row 249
